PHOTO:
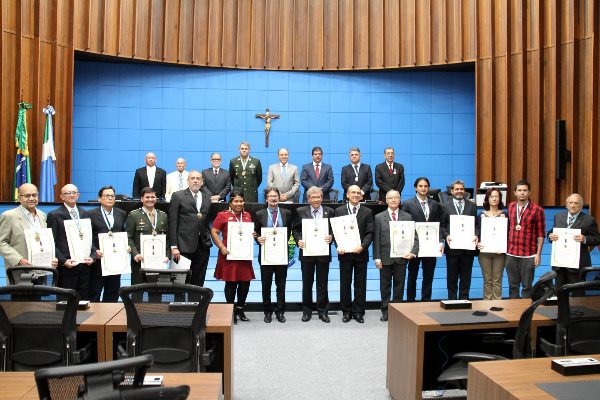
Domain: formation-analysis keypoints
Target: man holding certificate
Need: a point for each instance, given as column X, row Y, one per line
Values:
column 354, row 261
column 393, row 245
column 575, row 218
column 272, row 227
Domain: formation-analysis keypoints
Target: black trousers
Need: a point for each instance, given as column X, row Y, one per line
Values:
column 266, row 277
column 77, row 278
column 241, row 288
column 459, row 268
column 391, row 283
column 309, row 268
column 110, row 284
column 199, row 260
column 347, row 268
column 413, row 273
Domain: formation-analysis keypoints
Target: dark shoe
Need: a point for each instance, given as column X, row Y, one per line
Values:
column 268, row 318
column 359, row 318
column 306, row 317
column 324, row 318
column 346, row 318
column 384, row 317
column 280, row 317
column 240, row 314
column 234, row 318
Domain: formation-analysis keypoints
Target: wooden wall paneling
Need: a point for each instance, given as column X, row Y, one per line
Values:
column 485, row 35
column 185, row 33
column 112, row 30
column 301, row 27
column 126, row 23
column 230, row 33
column 156, row 50
column 142, row 29
column 273, row 39
column 200, row 32
column 64, row 22
column 407, row 33
column 376, row 29
column 81, row 25
column 316, row 37
column 360, row 47
column 47, row 25
column 534, row 158
column 582, row 137
column 469, row 29
column 286, row 35
column 566, row 53
column 485, row 120
column 517, row 115
column 499, row 148
column 63, row 122
column 346, row 35
column 438, row 32
column 423, row 32
column 500, row 23
column 258, row 35
column 172, row 19
column 593, row 200
column 96, row 26
column 10, row 96
column 391, row 34
column 330, row 35
column 245, row 38
column 454, row 31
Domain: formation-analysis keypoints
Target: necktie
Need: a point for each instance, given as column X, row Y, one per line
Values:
column 425, row 210
column 274, row 216
column 394, row 215
column 391, row 169
column 317, row 172
column 356, row 169
column 216, row 172
column 196, row 200
column 460, row 207
column 571, row 220
column 180, row 181
column 316, row 213
column 354, row 210
column 283, row 174
column 73, row 214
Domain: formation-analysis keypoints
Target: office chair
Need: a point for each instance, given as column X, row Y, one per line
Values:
column 35, row 334
column 173, row 333
column 32, row 275
column 374, row 195
column 333, row 196
column 296, row 198
column 586, row 272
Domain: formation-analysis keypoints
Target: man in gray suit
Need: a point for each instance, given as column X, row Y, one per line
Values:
column 390, row 267
column 216, row 179
column 284, row 177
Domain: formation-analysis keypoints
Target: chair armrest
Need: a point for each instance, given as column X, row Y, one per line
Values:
column 474, row 356
column 208, row 357
column 121, row 352
column 550, row 349
column 79, row 356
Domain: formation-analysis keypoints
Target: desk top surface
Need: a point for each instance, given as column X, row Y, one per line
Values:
column 101, row 313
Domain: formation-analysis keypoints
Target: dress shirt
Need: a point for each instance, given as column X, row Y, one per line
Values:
column 270, row 221
column 319, row 212
column 523, row 243
column 151, row 171
column 109, row 216
column 71, row 209
column 35, row 219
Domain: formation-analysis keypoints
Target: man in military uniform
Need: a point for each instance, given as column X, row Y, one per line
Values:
column 246, row 174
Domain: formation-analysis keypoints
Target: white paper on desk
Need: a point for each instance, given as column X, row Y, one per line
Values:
column 402, row 238
column 462, row 232
column 79, row 238
column 494, row 233
column 565, row 250
column 314, row 231
column 240, row 242
column 275, row 249
column 153, row 249
column 115, row 259
column 184, row 263
column 40, row 252
column 429, row 239
column 345, row 231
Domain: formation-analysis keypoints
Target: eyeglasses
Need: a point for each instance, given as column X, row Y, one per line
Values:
column 30, row 195
column 70, row 193
column 109, row 196
column 215, row 159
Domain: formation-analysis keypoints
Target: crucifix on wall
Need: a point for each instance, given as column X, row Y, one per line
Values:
column 267, row 116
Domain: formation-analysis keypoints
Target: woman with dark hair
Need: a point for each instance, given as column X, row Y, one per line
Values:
column 236, row 274
column 492, row 264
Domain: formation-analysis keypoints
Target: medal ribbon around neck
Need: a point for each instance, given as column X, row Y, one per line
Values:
column 519, row 215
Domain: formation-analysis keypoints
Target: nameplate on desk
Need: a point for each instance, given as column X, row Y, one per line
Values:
column 552, row 301
column 153, row 380
column 183, row 306
column 456, row 304
column 83, row 305
column 576, row 366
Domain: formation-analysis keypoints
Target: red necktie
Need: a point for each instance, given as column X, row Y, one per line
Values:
column 317, row 172
column 274, row 221
column 391, row 170
column 394, row 216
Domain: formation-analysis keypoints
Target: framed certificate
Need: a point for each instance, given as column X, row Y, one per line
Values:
column 314, row 231
column 402, row 238
column 565, row 250
column 40, row 247
column 79, row 238
column 152, row 248
column 115, row 259
column 429, row 239
column 345, row 231
column 240, row 242
column 462, row 232
column 275, row 249
column 494, row 233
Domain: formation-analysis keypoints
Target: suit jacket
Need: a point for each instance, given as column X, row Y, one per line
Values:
column 140, row 181
column 308, row 178
column 413, row 207
column 138, row 224
column 448, row 208
column 13, row 246
column 56, row 219
column 365, row 179
column 173, row 183
column 289, row 185
column 99, row 224
column 364, row 219
column 247, row 182
column 306, row 213
column 381, row 237
column 217, row 185
column 186, row 230
column 589, row 229
column 386, row 181
column 262, row 221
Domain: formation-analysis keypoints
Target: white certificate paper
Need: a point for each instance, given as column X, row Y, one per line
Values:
column 275, row 249
column 402, row 238
column 429, row 239
column 345, row 231
column 462, row 232
column 565, row 250
column 314, row 231
column 494, row 233
column 40, row 247
column 115, row 259
column 240, row 242
column 152, row 248
column 79, row 238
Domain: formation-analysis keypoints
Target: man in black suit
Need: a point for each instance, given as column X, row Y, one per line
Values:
column 389, row 175
column 150, row 176
column 105, row 219
column 314, row 264
column 356, row 260
column 459, row 263
column 71, row 273
column 357, row 173
column 216, row 179
column 575, row 218
column 317, row 173
column 270, row 217
column 188, row 226
column 422, row 209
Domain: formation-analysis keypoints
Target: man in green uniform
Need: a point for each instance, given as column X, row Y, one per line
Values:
column 246, row 174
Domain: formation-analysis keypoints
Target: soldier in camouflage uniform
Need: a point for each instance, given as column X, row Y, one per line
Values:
column 246, row 174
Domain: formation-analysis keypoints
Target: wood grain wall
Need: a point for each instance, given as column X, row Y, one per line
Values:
column 536, row 61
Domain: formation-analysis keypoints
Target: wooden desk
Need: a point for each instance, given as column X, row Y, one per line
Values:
column 516, row 379
column 220, row 320
column 102, row 313
column 207, row 386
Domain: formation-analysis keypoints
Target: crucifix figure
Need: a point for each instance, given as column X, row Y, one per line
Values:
column 267, row 116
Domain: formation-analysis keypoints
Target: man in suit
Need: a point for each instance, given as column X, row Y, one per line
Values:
column 357, row 173
column 105, row 219
column 390, row 267
column 459, row 262
column 13, row 246
column 284, row 177
column 150, row 176
column 176, row 180
column 188, row 226
column 389, row 175
column 216, row 179
column 356, row 260
column 575, row 218
column 71, row 273
column 314, row 264
column 246, row 174
column 272, row 216
column 422, row 209
column 146, row 220
column 317, row 174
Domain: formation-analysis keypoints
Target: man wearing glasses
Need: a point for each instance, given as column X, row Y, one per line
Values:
column 216, row 179
column 13, row 246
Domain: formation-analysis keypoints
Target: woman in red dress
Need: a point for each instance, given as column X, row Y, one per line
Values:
column 236, row 274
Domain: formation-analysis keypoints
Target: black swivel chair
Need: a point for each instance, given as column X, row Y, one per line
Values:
column 29, row 274
column 588, row 271
column 164, row 320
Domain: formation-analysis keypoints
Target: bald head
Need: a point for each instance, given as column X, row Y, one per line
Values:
column 574, row 203
column 69, row 194
column 150, row 159
column 28, row 196
column 354, row 194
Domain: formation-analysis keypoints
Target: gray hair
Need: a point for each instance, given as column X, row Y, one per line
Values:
column 457, row 182
column 314, row 190
column 388, row 148
column 575, row 194
column 354, row 149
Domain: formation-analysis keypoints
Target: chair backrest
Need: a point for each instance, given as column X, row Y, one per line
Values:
column 333, row 196
column 29, row 274
column 543, row 284
column 374, row 195
column 522, row 347
column 174, row 334
column 590, row 273
column 36, row 334
column 296, row 197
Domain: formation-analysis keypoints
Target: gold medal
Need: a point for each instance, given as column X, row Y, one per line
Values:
column 37, row 237
column 109, row 233
column 243, row 173
column 199, row 215
column 41, row 249
column 80, row 235
column 154, row 232
column 274, row 232
column 518, row 228
column 352, row 226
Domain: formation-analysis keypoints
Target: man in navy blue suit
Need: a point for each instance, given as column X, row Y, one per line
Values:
column 317, row 174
